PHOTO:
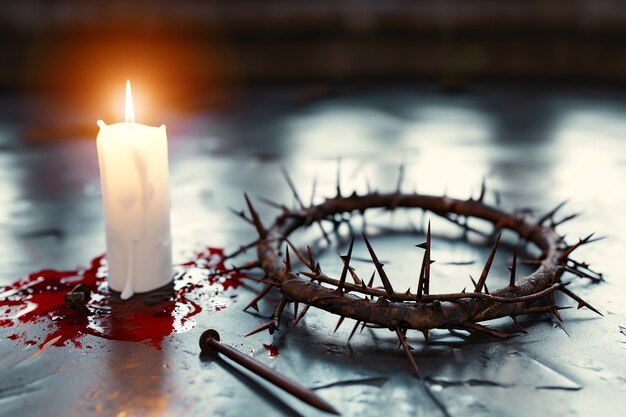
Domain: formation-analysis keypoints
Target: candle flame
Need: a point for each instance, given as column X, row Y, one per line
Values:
column 130, row 107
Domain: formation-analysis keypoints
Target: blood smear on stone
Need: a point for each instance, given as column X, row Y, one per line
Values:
column 272, row 351
column 39, row 300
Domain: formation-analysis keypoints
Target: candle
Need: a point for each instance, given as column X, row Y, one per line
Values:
column 135, row 194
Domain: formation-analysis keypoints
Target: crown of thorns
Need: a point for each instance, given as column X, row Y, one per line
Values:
column 385, row 308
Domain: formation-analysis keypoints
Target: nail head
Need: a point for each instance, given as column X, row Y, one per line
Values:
column 206, row 338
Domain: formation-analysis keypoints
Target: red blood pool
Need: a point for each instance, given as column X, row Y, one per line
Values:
column 148, row 318
column 272, row 351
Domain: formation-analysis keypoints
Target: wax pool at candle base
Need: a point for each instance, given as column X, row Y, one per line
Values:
column 39, row 300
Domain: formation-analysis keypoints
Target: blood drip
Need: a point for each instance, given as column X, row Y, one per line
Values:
column 149, row 317
column 272, row 351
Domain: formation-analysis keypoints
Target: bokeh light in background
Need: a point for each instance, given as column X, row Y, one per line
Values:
column 92, row 72
column 79, row 55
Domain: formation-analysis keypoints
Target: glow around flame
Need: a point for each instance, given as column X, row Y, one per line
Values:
column 130, row 108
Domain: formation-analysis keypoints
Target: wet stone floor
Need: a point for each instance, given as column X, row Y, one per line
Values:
column 535, row 146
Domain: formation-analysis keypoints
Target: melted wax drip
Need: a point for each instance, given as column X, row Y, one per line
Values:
column 149, row 318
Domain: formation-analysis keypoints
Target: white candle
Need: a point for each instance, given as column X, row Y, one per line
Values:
column 135, row 192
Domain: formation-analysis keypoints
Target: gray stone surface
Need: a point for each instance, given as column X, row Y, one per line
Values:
column 536, row 147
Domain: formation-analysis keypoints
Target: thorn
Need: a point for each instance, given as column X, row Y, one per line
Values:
column 583, row 274
column 274, row 204
column 556, row 313
column 324, row 233
column 264, row 281
column 589, row 239
column 400, row 179
column 465, row 226
column 543, row 309
column 339, row 177
column 256, row 299
column 354, row 276
column 244, row 267
column 583, row 265
column 310, row 255
column 483, row 189
column 513, row 267
column 341, row 319
column 278, row 311
column 313, row 190
column 473, row 282
column 255, row 218
column 428, row 262
column 426, row 335
column 260, row 329
column 407, row 350
column 292, row 187
column 302, row 313
column 519, row 326
column 241, row 215
column 485, row 273
column 566, row 219
column 296, row 304
column 581, row 302
column 287, row 260
column 568, row 250
column 346, row 266
column 241, row 249
column 551, row 213
column 379, row 267
column 422, row 283
column 356, row 325
column 294, row 191
column 299, row 256
column 480, row 328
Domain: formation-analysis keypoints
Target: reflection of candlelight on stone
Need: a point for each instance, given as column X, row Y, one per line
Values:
column 135, row 192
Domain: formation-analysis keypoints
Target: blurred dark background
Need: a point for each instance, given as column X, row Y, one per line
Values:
column 207, row 50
